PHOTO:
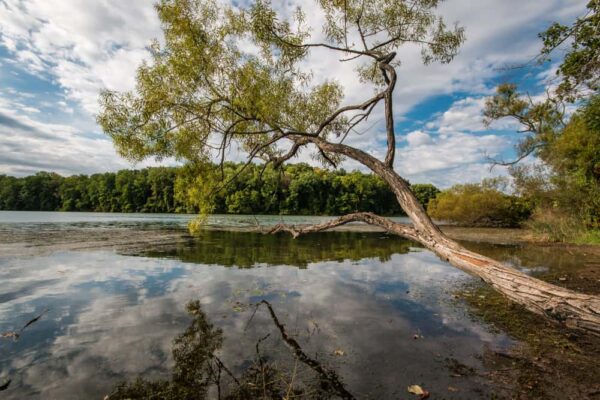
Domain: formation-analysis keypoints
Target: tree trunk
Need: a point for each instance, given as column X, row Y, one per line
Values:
column 572, row 309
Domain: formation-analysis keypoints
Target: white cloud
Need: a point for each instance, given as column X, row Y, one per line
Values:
column 442, row 158
column 85, row 46
column 418, row 138
column 28, row 146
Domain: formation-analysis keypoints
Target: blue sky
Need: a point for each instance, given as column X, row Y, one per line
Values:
column 56, row 55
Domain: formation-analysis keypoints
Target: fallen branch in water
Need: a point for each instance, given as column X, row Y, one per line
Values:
column 16, row 334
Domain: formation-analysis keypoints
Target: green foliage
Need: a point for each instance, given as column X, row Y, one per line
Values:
column 591, row 236
column 580, row 68
column 565, row 186
column 36, row 192
column 252, row 189
column 542, row 121
column 478, row 205
column 424, row 193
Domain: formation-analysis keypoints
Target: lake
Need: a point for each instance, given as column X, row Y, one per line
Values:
column 360, row 314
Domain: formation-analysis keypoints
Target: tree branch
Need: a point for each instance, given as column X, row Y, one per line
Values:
column 389, row 74
column 372, row 219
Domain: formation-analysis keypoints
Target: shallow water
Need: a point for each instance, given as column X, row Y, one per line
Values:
column 376, row 310
column 51, row 219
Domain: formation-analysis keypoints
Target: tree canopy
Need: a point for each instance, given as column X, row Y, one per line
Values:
column 228, row 77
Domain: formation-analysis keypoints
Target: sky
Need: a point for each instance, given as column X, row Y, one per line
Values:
column 57, row 55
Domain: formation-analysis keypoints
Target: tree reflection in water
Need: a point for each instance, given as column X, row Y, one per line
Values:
column 248, row 249
column 199, row 373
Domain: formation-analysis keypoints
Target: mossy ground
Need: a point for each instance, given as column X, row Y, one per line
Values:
column 549, row 362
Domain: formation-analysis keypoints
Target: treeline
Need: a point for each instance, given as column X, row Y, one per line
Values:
column 294, row 189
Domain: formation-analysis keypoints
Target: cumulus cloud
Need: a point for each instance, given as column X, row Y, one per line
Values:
column 28, row 145
column 443, row 158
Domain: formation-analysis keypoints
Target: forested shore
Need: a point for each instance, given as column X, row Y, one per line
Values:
column 295, row 189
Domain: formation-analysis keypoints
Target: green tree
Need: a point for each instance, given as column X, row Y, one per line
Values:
column 73, row 194
column 579, row 71
column 40, row 192
column 425, row 192
column 10, row 187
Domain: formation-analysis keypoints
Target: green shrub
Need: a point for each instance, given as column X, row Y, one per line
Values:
column 478, row 205
column 556, row 226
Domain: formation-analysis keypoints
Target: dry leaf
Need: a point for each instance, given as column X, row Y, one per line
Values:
column 339, row 352
column 419, row 391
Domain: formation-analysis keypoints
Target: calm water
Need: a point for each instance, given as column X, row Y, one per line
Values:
column 88, row 219
column 375, row 311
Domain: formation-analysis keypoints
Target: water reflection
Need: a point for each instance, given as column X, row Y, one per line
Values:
column 113, row 317
column 199, row 372
column 250, row 249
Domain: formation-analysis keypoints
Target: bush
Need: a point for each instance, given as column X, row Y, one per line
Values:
column 556, row 226
column 478, row 205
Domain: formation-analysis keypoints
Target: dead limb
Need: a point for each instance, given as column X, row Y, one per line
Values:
column 369, row 218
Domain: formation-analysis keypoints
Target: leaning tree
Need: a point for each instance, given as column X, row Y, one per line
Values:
column 235, row 77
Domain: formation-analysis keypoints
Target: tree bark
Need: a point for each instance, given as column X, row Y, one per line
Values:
column 574, row 310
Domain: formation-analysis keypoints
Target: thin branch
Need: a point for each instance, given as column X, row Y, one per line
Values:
column 369, row 218
column 363, row 106
column 325, row 45
column 16, row 334
column 520, row 158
